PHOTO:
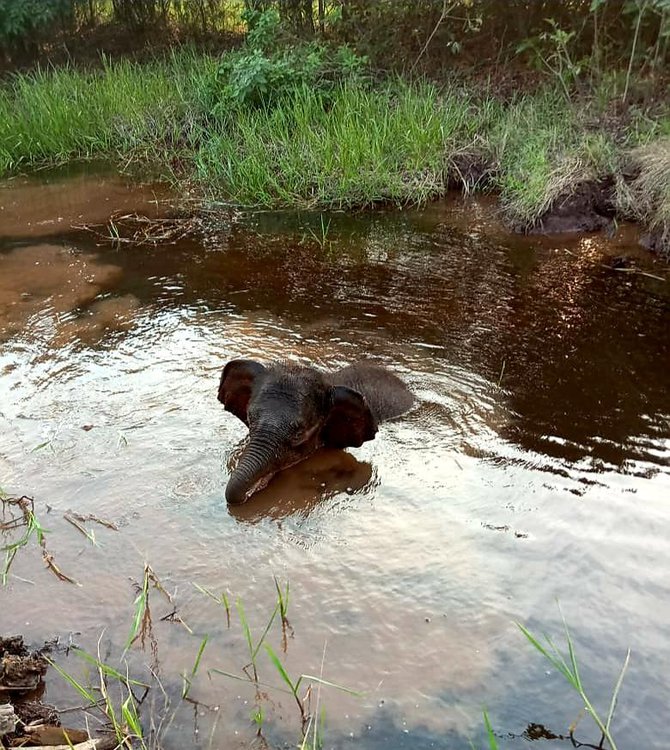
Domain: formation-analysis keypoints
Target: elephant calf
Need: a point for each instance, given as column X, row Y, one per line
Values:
column 291, row 411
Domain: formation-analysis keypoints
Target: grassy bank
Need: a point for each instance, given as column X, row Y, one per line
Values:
column 274, row 132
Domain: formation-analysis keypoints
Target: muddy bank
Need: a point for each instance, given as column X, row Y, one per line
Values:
column 25, row 719
column 588, row 207
column 658, row 241
column 585, row 207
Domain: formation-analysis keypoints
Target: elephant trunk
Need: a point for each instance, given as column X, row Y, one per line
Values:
column 256, row 467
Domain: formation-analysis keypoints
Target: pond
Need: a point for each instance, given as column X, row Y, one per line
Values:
column 534, row 467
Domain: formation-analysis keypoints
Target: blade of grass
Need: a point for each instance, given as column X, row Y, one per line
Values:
column 493, row 743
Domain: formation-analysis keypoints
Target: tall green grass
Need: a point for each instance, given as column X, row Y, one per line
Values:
column 352, row 144
column 354, row 147
column 125, row 110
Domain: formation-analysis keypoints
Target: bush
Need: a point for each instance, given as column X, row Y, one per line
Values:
column 19, row 18
column 256, row 76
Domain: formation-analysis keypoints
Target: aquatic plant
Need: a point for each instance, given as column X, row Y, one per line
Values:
column 568, row 667
column 124, row 719
column 26, row 519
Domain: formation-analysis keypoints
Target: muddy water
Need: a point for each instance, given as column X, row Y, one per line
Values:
column 535, row 466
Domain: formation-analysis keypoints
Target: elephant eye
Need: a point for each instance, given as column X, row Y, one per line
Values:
column 299, row 433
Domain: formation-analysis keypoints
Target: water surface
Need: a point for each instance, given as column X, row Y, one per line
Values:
column 534, row 467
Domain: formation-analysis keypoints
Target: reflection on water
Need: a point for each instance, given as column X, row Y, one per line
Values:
column 299, row 490
column 50, row 203
column 48, row 285
column 543, row 408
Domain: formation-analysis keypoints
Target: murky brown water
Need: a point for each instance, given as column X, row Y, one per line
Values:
column 535, row 467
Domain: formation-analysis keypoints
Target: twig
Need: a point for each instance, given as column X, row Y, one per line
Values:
column 445, row 12
column 91, row 517
column 640, row 13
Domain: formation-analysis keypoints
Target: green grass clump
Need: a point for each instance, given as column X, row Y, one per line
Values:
column 125, row 109
column 646, row 197
column 307, row 127
column 541, row 151
column 353, row 146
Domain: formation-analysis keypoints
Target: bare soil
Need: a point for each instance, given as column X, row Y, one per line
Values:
column 589, row 207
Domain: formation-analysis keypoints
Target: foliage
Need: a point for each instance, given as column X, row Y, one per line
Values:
column 19, row 18
column 572, row 41
column 257, row 77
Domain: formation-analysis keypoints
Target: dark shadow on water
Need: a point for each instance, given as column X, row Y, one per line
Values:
column 303, row 488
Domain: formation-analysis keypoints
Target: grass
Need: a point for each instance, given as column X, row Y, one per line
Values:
column 646, row 198
column 125, row 110
column 349, row 146
column 17, row 513
column 28, row 521
column 568, row 666
column 124, row 719
column 187, row 679
column 391, row 144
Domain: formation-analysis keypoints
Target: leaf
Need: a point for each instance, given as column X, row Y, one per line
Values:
column 493, row 743
column 85, row 694
column 280, row 668
column 327, row 683
column 196, row 665
column 109, row 671
column 617, row 688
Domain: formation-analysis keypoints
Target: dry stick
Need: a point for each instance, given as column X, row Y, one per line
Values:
column 632, row 52
column 79, row 527
column 91, row 517
column 445, row 12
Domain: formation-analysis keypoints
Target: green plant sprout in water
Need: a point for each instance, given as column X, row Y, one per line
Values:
column 221, row 599
column 568, row 666
column 311, row 724
column 124, row 721
column 142, row 626
column 321, row 238
column 26, row 519
column 188, row 679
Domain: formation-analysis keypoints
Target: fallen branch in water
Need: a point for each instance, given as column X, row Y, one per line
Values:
column 137, row 229
column 27, row 519
column 100, row 743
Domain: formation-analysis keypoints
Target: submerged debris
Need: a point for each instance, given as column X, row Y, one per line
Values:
column 20, row 671
column 19, row 512
column 138, row 229
column 26, row 721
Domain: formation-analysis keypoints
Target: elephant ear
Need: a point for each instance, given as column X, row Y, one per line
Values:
column 237, row 381
column 350, row 422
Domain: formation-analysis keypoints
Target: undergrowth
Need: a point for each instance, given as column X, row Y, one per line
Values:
column 364, row 146
column 310, row 126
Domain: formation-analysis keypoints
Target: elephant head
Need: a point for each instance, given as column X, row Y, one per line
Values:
column 290, row 412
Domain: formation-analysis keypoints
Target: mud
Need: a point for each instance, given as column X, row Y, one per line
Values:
column 65, row 287
column 658, row 241
column 588, row 207
column 68, row 197
column 20, row 670
column 25, row 719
